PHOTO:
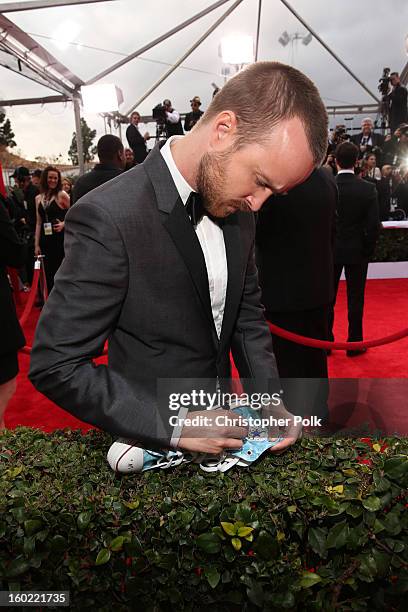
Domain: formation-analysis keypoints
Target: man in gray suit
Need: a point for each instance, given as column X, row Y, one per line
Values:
column 175, row 292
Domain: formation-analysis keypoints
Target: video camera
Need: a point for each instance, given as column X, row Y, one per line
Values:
column 384, row 82
column 159, row 113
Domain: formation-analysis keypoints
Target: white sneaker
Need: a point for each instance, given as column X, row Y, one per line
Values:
column 125, row 456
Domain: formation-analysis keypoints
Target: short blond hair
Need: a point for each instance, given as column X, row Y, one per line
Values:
column 266, row 93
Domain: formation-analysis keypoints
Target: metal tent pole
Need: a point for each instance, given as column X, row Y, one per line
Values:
column 77, row 112
column 258, row 29
column 186, row 54
column 155, row 42
column 12, row 7
column 336, row 57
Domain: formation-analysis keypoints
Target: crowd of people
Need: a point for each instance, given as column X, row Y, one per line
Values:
column 341, row 201
column 382, row 160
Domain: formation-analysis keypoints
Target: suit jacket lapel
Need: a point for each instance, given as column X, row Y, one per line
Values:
column 178, row 224
column 180, row 229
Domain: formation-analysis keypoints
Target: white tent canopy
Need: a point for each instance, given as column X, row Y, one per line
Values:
column 176, row 39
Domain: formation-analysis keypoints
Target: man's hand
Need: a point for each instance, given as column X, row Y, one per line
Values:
column 212, row 438
column 290, row 433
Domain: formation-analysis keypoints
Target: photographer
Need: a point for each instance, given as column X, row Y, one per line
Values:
column 338, row 136
column 397, row 100
column 173, row 121
column 366, row 140
column 136, row 141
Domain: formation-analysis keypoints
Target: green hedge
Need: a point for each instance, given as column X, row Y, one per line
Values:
column 392, row 245
column 322, row 527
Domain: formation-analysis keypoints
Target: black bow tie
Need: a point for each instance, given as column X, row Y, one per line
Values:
column 195, row 208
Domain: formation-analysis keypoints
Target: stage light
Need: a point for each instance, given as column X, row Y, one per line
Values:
column 237, row 50
column 307, row 39
column 65, row 33
column 284, row 39
column 101, row 98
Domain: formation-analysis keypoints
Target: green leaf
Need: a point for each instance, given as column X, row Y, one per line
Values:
column 291, row 509
column 213, row 576
column 14, row 472
column 83, row 520
column 381, row 484
column 284, row 600
column 396, row 467
column 208, row 543
column 132, row 505
column 58, row 543
column 317, row 540
column 266, row 546
column 392, row 523
column 17, row 567
column 337, row 536
column 229, row 528
column 117, row 543
column 219, row 532
column 372, row 503
column 103, row 556
column 236, row 543
column 368, row 566
column 309, row 579
column 256, row 595
column 32, row 526
column 280, row 536
column 243, row 532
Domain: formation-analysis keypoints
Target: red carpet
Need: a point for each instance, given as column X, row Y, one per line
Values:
column 385, row 312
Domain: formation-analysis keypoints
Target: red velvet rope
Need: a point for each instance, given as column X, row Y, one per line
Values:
column 324, row 344
column 31, row 297
column 282, row 333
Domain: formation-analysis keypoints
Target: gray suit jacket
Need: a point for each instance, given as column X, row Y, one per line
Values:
column 134, row 274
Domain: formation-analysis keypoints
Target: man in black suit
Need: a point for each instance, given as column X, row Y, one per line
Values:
column 29, row 191
column 136, row 141
column 357, row 232
column 169, row 276
column 192, row 118
column 112, row 162
column 367, row 140
column 294, row 239
column 398, row 112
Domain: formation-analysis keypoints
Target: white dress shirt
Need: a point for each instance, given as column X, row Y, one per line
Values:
column 211, row 239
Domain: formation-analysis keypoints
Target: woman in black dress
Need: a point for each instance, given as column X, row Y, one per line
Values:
column 52, row 204
column 12, row 253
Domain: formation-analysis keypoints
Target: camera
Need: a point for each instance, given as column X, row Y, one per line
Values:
column 159, row 113
column 384, row 82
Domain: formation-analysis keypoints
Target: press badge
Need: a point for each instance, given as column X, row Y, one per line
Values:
column 48, row 229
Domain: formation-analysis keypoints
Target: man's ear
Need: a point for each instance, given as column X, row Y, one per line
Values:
column 224, row 129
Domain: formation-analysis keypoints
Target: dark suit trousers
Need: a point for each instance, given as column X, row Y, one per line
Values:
column 356, row 275
column 302, row 369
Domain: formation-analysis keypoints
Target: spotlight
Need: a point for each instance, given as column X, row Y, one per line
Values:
column 237, row 50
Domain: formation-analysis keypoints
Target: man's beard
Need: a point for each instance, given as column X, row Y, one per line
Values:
column 211, row 182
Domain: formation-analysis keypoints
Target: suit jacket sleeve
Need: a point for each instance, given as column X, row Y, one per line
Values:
column 12, row 250
column 77, row 319
column 372, row 224
column 252, row 343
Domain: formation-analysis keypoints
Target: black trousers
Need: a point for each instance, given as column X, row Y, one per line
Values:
column 302, row 369
column 356, row 276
